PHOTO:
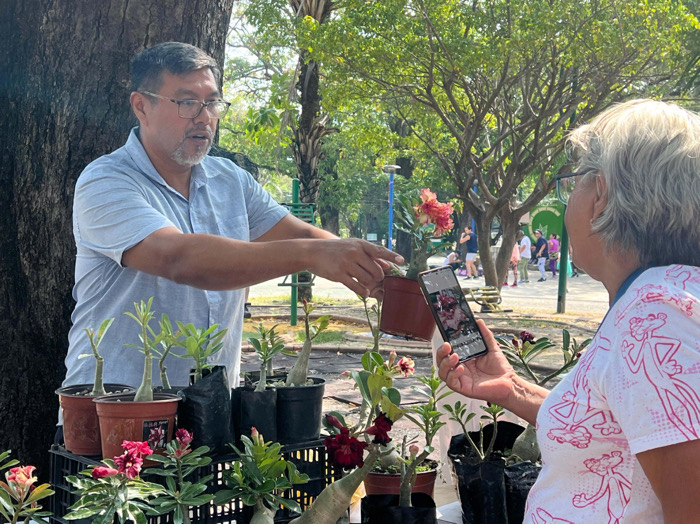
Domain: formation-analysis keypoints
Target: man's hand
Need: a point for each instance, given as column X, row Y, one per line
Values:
column 357, row 264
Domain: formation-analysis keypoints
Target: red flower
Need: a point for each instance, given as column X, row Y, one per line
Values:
column 332, row 420
column 129, row 463
column 184, row 437
column 100, row 472
column 139, row 447
column 344, row 451
column 526, row 336
column 380, row 429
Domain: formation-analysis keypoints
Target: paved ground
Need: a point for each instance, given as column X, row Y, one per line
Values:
column 534, row 309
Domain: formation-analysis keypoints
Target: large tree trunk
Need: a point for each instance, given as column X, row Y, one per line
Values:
column 64, row 92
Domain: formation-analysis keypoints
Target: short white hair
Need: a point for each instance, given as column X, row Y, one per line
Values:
column 648, row 152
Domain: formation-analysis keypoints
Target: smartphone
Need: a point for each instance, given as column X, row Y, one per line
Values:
column 452, row 313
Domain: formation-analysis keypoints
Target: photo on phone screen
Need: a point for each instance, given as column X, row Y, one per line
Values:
column 452, row 313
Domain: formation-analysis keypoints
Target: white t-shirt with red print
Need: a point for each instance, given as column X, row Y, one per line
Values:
column 636, row 388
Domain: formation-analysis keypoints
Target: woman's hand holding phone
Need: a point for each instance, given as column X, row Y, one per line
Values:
column 489, row 377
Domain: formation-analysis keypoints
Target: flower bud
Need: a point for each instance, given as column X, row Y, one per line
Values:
column 413, row 450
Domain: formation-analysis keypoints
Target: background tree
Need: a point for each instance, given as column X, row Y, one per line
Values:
column 64, row 100
column 490, row 88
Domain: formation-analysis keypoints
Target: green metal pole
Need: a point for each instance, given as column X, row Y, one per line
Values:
column 563, row 267
column 295, row 278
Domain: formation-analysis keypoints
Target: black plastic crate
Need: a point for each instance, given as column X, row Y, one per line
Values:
column 310, row 458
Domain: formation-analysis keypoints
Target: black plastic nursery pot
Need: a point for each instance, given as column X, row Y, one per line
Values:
column 205, row 411
column 299, row 412
column 254, row 409
column 385, row 509
column 491, row 491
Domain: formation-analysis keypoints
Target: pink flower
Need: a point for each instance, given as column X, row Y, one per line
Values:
column 129, row 463
column 405, row 366
column 100, row 472
column 184, row 437
column 413, row 450
column 430, row 211
column 380, row 429
column 21, row 478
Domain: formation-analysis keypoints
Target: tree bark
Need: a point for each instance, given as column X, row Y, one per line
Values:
column 64, row 101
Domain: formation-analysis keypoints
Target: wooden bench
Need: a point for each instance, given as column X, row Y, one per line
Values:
column 488, row 297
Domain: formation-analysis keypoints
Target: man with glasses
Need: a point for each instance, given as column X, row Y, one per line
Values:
column 159, row 217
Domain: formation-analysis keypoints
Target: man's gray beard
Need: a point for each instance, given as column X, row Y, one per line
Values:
column 186, row 160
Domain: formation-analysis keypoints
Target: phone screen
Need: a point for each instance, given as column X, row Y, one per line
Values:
column 452, row 313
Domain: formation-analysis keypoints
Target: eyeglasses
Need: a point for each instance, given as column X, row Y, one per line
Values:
column 192, row 108
column 566, row 183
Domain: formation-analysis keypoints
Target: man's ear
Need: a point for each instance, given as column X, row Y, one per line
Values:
column 138, row 105
column 601, row 197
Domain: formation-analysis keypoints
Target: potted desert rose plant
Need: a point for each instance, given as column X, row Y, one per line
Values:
column 151, row 415
column 256, row 406
column 404, row 311
column 300, row 400
column 205, row 408
column 81, row 427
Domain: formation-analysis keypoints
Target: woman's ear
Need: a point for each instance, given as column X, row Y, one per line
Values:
column 601, row 199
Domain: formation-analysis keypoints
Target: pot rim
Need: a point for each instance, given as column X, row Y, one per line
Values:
column 63, row 390
column 158, row 398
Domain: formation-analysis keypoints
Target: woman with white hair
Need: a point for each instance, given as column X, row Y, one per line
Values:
column 619, row 434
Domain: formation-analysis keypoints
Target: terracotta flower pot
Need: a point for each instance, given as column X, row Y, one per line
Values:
column 377, row 483
column 81, row 428
column 123, row 419
column 405, row 312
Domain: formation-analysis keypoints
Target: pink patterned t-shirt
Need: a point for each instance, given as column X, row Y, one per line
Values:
column 636, row 388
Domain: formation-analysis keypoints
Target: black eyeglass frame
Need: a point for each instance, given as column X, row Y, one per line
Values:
column 201, row 108
column 562, row 176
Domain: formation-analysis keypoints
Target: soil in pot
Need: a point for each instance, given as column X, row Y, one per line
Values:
column 299, row 411
column 123, row 419
column 385, row 509
column 404, row 310
column 81, row 427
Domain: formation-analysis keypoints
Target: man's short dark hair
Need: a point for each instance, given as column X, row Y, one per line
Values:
column 175, row 57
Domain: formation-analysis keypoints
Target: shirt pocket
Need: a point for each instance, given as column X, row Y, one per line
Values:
column 235, row 227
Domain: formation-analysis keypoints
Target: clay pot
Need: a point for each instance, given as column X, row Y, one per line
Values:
column 377, row 483
column 123, row 419
column 405, row 312
column 81, row 428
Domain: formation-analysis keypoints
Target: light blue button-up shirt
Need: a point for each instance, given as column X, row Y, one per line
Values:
column 120, row 199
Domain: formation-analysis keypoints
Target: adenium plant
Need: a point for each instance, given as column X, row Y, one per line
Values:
column 259, row 476
column 98, row 387
column 115, row 490
column 19, row 496
column 426, row 220
column 298, row 375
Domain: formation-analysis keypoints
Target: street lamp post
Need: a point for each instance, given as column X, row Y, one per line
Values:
column 391, row 169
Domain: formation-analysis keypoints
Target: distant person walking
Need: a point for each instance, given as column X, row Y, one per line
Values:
column 553, row 248
column 541, row 253
column 525, row 255
column 469, row 246
column 513, row 265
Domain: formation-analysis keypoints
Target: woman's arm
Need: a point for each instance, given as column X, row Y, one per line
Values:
column 674, row 474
